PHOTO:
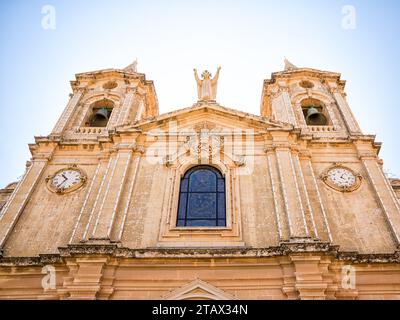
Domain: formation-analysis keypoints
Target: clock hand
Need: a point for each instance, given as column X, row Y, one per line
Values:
column 65, row 179
column 62, row 183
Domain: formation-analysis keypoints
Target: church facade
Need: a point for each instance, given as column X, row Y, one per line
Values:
column 206, row 202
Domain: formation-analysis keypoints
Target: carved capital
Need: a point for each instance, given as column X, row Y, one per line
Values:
column 367, row 155
column 131, row 90
column 283, row 89
column 304, row 154
column 269, row 149
column 333, row 90
column 239, row 161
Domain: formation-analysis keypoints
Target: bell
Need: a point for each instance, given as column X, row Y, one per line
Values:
column 100, row 118
column 315, row 118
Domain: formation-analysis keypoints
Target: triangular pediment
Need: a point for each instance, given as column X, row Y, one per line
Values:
column 208, row 116
column 198, row 290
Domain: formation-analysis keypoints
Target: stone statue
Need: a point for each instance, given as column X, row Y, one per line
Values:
column 207, row 87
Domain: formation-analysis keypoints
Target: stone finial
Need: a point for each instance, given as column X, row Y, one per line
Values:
column 132, row 68
column 289, row 66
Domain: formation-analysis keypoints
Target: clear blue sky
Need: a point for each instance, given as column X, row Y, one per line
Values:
column 247, row 38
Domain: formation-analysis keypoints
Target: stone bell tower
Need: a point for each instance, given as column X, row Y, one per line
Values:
column 104, row 100
column 311, row 100
column 101, row 103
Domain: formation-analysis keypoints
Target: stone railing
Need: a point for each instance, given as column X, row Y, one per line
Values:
column 321, row 128
column 91, row 130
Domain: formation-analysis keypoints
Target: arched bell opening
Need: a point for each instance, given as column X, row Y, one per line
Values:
column 314, row 112
column 100, row 113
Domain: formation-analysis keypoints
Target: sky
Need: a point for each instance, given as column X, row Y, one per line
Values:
column 248, row 39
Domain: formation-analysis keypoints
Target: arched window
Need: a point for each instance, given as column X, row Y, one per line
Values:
column 202, row 198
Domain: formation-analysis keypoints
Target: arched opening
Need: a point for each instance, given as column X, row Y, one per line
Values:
column 202, row 198
column 314, row 112
column 100, row 113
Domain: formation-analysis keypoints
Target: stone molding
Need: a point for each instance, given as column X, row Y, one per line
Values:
column 285, row 249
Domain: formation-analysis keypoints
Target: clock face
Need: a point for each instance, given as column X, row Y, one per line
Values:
column 342, row 177
column 66, row 180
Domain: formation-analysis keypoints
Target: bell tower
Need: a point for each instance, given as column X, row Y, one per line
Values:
column 104, row 100
column 311, row 100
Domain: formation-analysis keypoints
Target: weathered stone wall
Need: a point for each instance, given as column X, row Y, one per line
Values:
column 288, row 232
column 175, row 274
column 356, row 220
column 47, row 220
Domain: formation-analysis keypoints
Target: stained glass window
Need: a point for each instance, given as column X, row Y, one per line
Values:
column 202, row 198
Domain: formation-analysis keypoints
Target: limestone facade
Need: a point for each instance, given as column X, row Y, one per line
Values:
column 289, row 234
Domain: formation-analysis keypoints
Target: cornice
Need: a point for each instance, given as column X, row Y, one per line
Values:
column 284, row 249
column 304, row 72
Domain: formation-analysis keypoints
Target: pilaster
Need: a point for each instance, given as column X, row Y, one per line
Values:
column 290, row 186
column 281, row 105
column 85, row 283
column 112, row 194
column 68, row 112
column 322, row 229
column 309, row 281
column 126, row 106
column 384, row 193
column 18, row 201
column 345, row 110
